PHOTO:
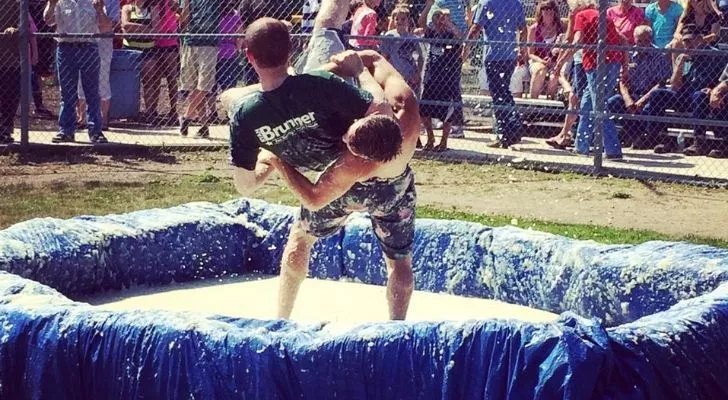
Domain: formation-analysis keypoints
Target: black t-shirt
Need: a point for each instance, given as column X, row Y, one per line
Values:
column 302, row 121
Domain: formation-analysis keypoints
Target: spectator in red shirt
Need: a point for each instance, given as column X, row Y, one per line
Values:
column 364, row 23
column 585, row 22
column 626, row 17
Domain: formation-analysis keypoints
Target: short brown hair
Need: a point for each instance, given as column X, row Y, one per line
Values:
column 378, row 138
column 269, row 41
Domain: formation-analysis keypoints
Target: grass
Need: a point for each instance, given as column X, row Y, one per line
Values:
column 23, row 202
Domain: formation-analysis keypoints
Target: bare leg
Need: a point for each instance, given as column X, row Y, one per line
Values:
column 105, row 105
column 332, row 14
column 538, row 78
column 427, row 122
column 81, row 112
column 294, row 267
column 400, row 285
column 446, row 128
column 552, row 87
column 197, row 102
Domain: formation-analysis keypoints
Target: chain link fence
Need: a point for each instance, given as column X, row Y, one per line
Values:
column 625, row 89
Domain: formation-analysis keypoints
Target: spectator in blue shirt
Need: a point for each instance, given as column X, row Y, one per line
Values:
column 501, row 21
column 648, row 72
column 663, row 16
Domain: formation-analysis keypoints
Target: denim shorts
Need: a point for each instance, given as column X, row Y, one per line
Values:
column 323, row 44
column 391, row 207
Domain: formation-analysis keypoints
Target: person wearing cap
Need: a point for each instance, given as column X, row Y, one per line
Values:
column 691, row 74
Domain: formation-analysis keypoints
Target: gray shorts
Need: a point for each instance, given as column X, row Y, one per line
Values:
column 391, row 207
column 323, row 44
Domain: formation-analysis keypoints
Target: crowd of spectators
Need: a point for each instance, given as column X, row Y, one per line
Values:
column 424, row 40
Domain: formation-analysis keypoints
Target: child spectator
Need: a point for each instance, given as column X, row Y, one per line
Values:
column 405, row 55
column 442, row 77
column 364, row 23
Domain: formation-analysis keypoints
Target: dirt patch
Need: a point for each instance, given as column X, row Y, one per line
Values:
column 569, row 198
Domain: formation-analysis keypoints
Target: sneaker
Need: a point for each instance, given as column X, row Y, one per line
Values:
column 499, row 144
column 696, row 149
column 184, row 126
column 643, row 143
column 43, row 112
column 457, row 132
column 63, row 138
column 98, row 138
column 718, row 153
column 614, row 157
column 203, row 133
column 664, row 148
column 6, row 139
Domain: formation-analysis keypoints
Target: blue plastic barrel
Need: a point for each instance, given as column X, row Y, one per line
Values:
column 126, row 66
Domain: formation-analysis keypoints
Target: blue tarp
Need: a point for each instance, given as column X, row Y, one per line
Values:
column 52, row 347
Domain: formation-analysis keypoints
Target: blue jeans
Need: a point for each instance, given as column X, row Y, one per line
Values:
column 630, row 128
column 507, row 120
column 682, row 101
column 585, row 131
column 578, row 79
column 702, row 110
column 76, row 59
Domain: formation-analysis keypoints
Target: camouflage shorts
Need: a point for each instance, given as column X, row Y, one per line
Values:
column 391, row 207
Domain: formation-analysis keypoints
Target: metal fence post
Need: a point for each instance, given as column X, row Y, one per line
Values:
column 598, row 98
column 24, row 73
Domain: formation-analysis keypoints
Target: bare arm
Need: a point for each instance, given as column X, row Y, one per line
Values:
column 569, row 53
column 422, row 21
column 246, row 181
column 396, row 91
column 184, row 17
column 473, row 34
column 105, row 23
column 333, row 183
column 712, row 37
column 677, row 72
column 49, row 13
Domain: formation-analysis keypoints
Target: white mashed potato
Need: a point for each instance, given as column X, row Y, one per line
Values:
column 318, row 300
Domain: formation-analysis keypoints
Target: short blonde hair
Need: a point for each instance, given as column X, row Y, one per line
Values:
column 580, row 4
column 638, row 31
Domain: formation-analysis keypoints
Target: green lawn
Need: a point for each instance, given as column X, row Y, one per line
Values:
column 23, row 202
